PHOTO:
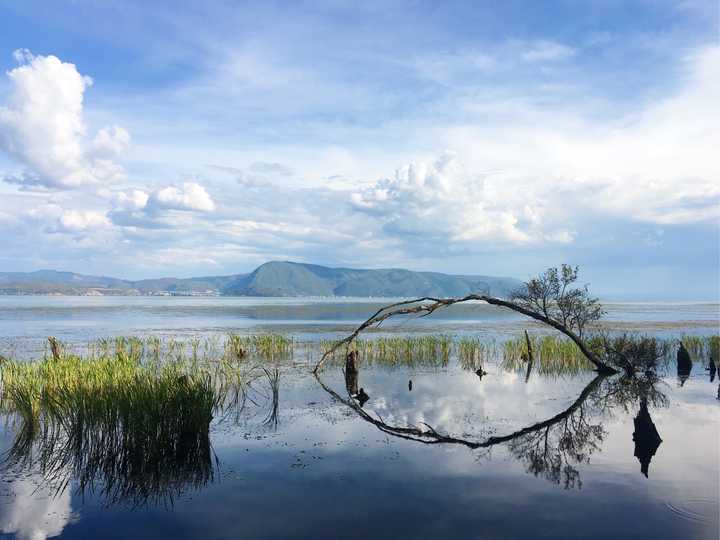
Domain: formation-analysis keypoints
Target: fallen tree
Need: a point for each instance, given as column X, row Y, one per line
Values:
column 550, row 298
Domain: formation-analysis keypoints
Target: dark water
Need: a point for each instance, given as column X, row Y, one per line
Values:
column 549, row 457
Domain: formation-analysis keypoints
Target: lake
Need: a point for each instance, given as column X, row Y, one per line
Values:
column 436, row 451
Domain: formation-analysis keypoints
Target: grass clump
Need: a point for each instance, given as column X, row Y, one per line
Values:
column 140, row 430
column 552, row 355
column 474, row 353
column 409, row 351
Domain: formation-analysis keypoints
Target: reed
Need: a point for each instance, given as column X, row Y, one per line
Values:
column 552, row 355
column 473, row 353
column 140, row 430
column 702, row 348
column 409, row 351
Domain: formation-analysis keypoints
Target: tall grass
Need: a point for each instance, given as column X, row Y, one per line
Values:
column 425, row 350
column 473, row 353
column 552, row 355
column 139, row 430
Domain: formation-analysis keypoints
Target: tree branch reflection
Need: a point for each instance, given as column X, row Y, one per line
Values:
column 552, row 448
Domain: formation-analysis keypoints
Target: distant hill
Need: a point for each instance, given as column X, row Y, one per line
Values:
column 269, row 279
column 296, row 279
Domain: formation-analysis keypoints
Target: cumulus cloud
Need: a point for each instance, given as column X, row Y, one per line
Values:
column 42, row 127
column 149, row 209
column 111, row 142
column 133, row 199
column 76, row 221
column 55, row 219
column 442, row 201
column 188, row 196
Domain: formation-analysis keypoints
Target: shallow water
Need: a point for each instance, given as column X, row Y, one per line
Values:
column 26, row 321
column 310, row 464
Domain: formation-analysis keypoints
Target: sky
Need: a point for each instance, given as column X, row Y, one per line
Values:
column 180, row 139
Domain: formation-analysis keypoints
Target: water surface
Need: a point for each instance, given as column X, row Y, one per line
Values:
column 574, row 459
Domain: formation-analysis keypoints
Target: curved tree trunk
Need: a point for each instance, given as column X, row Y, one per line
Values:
column 427, row 305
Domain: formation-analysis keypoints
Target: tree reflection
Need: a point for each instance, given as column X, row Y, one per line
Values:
column 646, row 437
column 553, row 448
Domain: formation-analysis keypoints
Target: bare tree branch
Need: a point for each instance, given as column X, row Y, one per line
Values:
column 547, row 298
column 427, row 306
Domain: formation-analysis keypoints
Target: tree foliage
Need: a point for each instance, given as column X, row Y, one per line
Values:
column 554, row 294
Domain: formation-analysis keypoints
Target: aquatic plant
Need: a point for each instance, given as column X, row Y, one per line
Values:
column 474, row 353
column 409, row 351
column 143, row 430
column 551, row 355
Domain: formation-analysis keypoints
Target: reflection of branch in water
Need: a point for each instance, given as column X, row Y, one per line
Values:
column 550, row 448
column 432, row 436
column 273, row 417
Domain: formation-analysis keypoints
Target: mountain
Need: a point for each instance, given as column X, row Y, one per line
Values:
column 270, row 279
column 70, row 283
column 296, row 279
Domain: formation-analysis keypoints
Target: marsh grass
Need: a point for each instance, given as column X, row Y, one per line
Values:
column 702, row 348
column 552, row 355
column 409, row 351
column 474, row 353
column 137, row 429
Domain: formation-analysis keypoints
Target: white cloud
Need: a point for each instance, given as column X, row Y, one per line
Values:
column 657, row 165
column 188, row 196
column 111, row 142
column 547, row 51
column 76, row 221
column 134, row 199
column 149, row 209
column 441, row 200
column 55, row 219
column 42, row 127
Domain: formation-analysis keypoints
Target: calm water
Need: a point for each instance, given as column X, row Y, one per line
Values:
column 549, row 457
column 26, row 321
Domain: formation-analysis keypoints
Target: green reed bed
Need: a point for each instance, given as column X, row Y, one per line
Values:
column 555, row 355
column 139, row 430
column 212, row 348
column 552, row 355
column 474, row 353
column 425, row 350
column 701, row 348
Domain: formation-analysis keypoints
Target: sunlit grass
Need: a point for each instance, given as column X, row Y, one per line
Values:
column 473, row 353
column 552, row 355
column 139, row 428
column 424, row 350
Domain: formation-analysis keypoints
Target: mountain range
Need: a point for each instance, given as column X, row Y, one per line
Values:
column 276, row 278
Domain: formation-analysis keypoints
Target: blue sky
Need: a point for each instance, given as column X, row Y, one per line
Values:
column 465, row 137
